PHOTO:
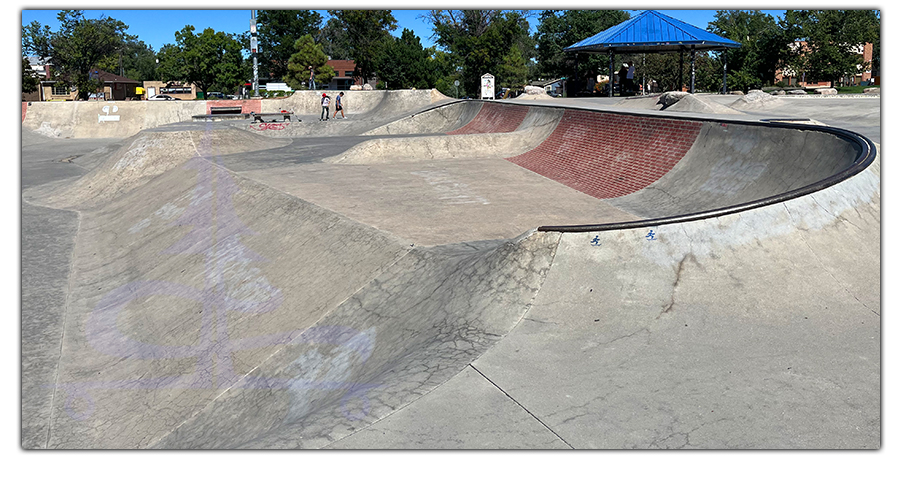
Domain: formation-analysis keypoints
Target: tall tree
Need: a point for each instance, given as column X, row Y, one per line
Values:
column 134, row 58
column 513, row 71
column 558, row 29
column 307, row 53
column 36, row 40
column 833, row 40
column 444, row 71
column 30, row 80
column 478, row 40
column 367, row 32
column 403, row 63
column 763, row 46
column 334, row 40
column 211, row 60
column 78, row 46
column 277, row 31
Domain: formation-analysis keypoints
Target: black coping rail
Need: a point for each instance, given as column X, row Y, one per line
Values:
column 864, row 158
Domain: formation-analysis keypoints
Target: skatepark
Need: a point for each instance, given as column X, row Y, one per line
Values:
column 432, row 273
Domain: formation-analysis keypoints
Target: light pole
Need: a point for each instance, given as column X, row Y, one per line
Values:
column 253, row 49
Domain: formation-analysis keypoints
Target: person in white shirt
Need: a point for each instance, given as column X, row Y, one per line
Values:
column 325, row 102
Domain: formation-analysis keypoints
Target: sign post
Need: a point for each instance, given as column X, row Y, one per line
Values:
column 487, row 86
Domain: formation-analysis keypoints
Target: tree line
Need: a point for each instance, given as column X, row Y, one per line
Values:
column 467, row 44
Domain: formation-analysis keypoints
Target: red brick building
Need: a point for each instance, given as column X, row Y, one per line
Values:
column 793, row 78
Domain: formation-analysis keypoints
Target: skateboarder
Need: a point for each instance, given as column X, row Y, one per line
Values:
column 339, row 106
column 325, row 102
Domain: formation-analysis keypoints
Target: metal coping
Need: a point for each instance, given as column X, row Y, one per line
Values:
column 864, row 158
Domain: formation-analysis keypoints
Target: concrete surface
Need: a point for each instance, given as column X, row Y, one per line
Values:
column 216, row 285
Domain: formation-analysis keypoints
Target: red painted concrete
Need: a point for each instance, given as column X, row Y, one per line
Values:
column 247, row 106
column 24, row 107
column 494, row 118
column 607, row 155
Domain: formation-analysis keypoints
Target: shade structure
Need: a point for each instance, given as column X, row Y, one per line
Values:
column 652, row 32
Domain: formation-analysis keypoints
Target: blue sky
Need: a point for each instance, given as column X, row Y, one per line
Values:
column 158, row 27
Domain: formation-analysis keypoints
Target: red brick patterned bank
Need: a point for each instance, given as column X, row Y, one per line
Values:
column 600, row 154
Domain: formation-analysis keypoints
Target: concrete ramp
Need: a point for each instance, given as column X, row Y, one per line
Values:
column 727, row 297
column 199, row 298
column 144, row 157
column 380, row 102
column 93, row 119
column 752, row 330
column 495, row 130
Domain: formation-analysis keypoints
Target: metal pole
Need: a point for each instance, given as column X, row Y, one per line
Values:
column 643, row 74
column 611, row 57
column 255, row 66
column 725, row 71
column 681, row 70
column 693, row 73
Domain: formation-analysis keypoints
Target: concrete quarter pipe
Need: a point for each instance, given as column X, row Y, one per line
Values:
column 442, row 274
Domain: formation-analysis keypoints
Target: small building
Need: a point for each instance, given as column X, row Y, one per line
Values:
column 176, row 89
column 49, row 89
column 345, row 75
column 117, row 87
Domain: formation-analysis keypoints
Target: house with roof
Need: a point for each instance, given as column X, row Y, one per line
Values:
column 115, row 87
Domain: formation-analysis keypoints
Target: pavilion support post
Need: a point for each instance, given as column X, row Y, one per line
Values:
column 681, row 70
column 693, row 68
column 577, row 76
column 725, row 71
column 612, row 55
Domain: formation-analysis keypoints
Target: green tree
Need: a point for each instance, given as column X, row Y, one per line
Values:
column 833, row 39
column 307, row 53
column 277, row 31
column 77, row 48
column 558, row 29
column 444, row 72
column 367, row 32
column 211, row 60
column 763, row 47
column 513, row 71
column 479, row 40
column 403, row 63
column 30, row 80
column 36, row 40
column 334, row 40
column 135, row 58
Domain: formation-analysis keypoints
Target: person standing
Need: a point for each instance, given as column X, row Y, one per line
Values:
column 325, row 102
column 623, row 74
column 339, row 105
column 312, row 78
column 630, row 78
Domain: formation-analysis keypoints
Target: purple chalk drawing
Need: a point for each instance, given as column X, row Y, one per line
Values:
column 215, row 233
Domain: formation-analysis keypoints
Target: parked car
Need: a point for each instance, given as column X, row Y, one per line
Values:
column 215, row 95
column 162, row 97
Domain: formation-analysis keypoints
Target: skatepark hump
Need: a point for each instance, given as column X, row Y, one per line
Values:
column 433, row 273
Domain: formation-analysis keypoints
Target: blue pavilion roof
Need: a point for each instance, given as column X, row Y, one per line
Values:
column 651, row 31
